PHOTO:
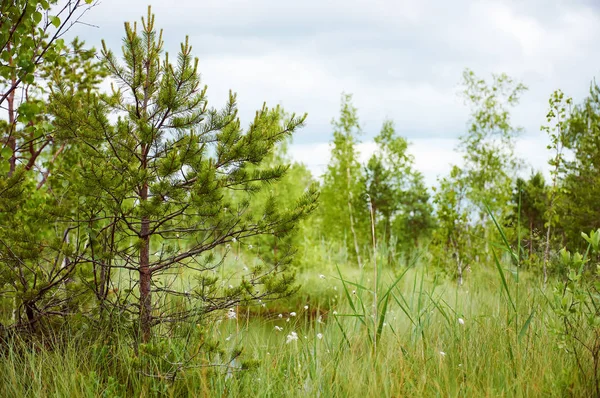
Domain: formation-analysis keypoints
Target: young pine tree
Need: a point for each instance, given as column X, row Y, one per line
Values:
column 156, row 186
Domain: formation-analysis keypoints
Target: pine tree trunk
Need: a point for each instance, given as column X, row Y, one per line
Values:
column 30, row 317
column 144, row 266
column 145, row 286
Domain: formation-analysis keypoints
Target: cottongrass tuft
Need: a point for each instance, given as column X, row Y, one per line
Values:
column 293, row 336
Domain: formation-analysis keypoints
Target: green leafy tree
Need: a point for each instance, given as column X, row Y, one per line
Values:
column 484, row 183
column 30, row 38
column 34, row 269
column 577, row 206
column 157, row 186
column 399, row 198
column 488, row 145
column 415, row 222
column 343, row 211
column 559, row 115
column 32, row 57
column 530, row 202
column 451, row 236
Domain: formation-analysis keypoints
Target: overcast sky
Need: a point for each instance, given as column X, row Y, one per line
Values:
column 400, row 59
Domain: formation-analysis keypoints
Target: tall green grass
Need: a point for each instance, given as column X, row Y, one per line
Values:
column 433, row 339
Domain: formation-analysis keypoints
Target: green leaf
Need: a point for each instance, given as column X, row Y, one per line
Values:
column 55, row 21
column 504, row 284
column 37, row 17
column 526, row 325
column 6, row 153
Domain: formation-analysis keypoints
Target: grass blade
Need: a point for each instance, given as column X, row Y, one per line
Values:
column 526, row 325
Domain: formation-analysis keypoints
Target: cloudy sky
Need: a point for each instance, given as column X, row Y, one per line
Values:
column 401, row 59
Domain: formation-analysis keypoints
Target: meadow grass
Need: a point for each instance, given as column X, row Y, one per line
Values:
column 434, row 339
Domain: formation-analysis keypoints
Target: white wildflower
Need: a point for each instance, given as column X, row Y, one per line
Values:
column 250, row 247
column 292, row 314
column 293, row 336
column 231, row 314
column 245, row 268
column 334, row 312
column 231, row 286
column 280, row 315
column 228, row 338
column 306, row 307
column 234, row 240
column 322, row 276
column 319, row 336
column 461, row 321
column 287, row 320
column 442, row 354
column 278, row 328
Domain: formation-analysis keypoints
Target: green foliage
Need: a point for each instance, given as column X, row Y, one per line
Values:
column 271, row 249
column 343, row 214
column 32, row 243
column 451, row 238
column 577, row 205
column 172, row 180
column 397, row 193
column 575, row 303
column 484, row 183
column 527, row 219
column 488, row 145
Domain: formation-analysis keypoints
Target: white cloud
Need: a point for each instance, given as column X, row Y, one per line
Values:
column 401, row 59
